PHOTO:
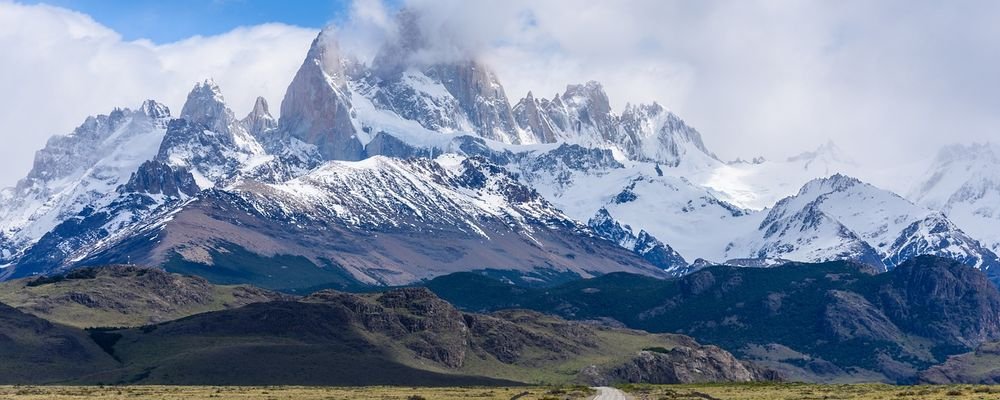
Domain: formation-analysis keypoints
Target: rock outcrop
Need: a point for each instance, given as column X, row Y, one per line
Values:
column 683, row 364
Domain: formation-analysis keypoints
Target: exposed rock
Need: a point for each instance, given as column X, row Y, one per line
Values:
column 155, row 177
column 682, row 364
column 643, row 244
column 849, row 316
column 979, row 367
column 316, row 107
column 944, row 300
column 259, row 122
column 207, row 139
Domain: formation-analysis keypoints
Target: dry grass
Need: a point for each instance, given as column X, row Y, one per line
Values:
column 793, row 391
column 285, row 392
column 639, row 392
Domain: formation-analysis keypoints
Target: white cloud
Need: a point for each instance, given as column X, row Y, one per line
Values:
column 60, row 66
column 889, row 81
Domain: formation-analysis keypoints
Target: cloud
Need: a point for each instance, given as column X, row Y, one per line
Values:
column 60, row 66
column 889, row 81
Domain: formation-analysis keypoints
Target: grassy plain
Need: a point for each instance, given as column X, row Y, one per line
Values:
column 797, row 391
column 288, row 392
column 783, row 391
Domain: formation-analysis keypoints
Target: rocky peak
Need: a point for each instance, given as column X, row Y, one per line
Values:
column 155, row 177
column 259, row 121
column 591, row 105
column 316, row 109
column 409, row 62
column 530, row 118
column 834, row 183
column 208, row 140
column 481, row 96
column 643, row 244
column 206, row 106
column 155, row 110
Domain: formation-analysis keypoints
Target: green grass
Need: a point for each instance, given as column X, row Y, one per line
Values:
column 292, row 274
column 135, row 306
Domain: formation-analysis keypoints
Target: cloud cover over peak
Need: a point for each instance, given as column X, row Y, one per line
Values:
column 889, row 82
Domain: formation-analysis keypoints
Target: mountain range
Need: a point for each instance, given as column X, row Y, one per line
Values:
column 172, row 329
column 401, row 169
column 839, row 321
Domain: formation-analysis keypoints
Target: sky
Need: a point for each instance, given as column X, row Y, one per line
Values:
column 889, row 82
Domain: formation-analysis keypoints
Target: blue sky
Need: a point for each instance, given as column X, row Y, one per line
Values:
column 169, row 21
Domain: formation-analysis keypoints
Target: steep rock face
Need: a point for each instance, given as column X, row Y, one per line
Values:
column 582, row 114
column 942, row 299
column 655, row 134
column 207, row 140
column 259, row 123
column 679, row 365
column 450, row 95
column 849, row 316
column 316, row 109
column 154, row 177
column 481, row 97
column 423, row 323
column 528, row 115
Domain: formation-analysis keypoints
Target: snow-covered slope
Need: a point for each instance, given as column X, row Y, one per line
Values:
column 758, row 184
column 843, row 218
column 79, row 170
column 582, row 182
column 963, row 182
column 412, row 166
column 208, row 140
column 378, row 221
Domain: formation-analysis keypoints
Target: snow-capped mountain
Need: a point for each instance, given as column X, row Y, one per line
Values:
column 79, row 170
column 963, row 182
column 759, row 183
column 406, row 168
column 843, row 218
column 208, row 140
column 641, row 243
column 376, row 221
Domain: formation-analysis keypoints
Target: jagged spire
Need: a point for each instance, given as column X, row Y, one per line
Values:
column 316, row 107
column 206, row 106
column 155, row 110
column 259, row 120
column 260, row 107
